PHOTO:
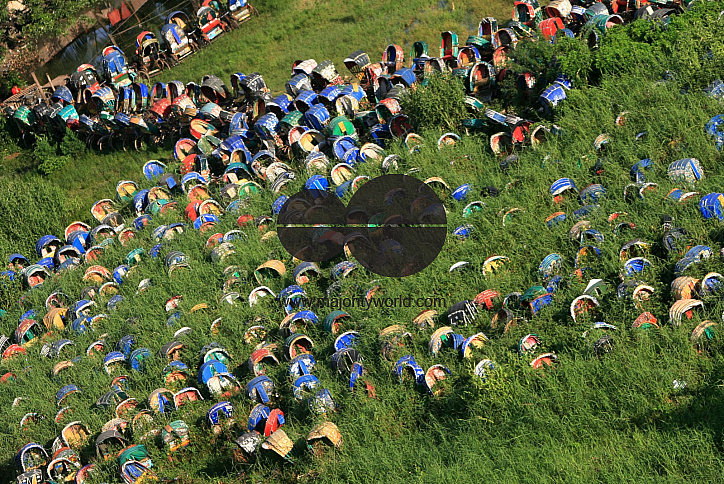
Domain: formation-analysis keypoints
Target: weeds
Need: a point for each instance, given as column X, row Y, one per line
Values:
column 441, row 103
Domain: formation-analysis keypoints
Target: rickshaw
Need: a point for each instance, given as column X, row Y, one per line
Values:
column 149, row 57
column 133, row 131
column 449, row 47
column 468, row 55
column 241, row 11
column 28, row 331
column 115, row 68
column 393, row 58
column 418, row 57
column 141, row 97
column 178, row 45
column 487, row 28
column 108, row 443
column 214, row 90
column 40, row 118
column 92, row 130
column 325, row 75
column 24, row 118
column 159, row 91
column 125, row 100
column 83, row 83
column 481, row 80
column 121, row 128
column 184, row 22
column 209, row 24
column 176, row 435
column 527, row 12
column 175, row 89
column 356, row 62
column 227, row 20
column 64, row 466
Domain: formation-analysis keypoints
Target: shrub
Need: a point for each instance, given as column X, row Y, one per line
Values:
column 9, row 135
column 575, row 59
column 8, row 80
column 72, row 146
column 692, row 45
column 439, row 104
column 619, row 54
column 46, row 157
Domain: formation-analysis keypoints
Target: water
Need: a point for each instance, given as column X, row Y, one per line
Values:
column 83, row 49
column 87, row 47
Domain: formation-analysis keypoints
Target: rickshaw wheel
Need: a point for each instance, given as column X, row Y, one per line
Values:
column 158, row 140
column 124, row 142
column 90, row 140
column 28, row 138
column 143, row 73
column 105, row 143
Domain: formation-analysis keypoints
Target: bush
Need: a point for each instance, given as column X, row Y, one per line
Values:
column 575, row 59
column 693, row 46
column 72, row 146
column 9, row 136
column 46, row 157
column 439, row 104
column 8, row 80
column 536, row 57
column 619, row 54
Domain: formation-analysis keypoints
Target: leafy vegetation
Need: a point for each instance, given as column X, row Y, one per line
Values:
column 439, row 104
column 24, row 31
column 8, row 80
column 40, row 20
column 47, row 157
column 51, row 156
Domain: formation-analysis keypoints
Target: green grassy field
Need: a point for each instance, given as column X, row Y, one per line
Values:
column 288, row 30
column 284, row 31
column 610, row 418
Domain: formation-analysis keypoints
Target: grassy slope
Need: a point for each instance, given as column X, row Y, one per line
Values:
column 285, row 30
column 610, row 419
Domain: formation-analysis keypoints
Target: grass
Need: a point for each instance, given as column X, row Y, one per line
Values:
column 612, row 418
column 284, row 31
column 289, row 30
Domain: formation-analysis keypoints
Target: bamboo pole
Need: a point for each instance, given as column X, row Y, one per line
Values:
column 136, row 15
column 40, row 88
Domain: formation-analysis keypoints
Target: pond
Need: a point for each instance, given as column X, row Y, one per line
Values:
column 87, row 47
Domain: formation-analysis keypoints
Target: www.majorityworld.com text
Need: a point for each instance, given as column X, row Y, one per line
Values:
column 379, row 302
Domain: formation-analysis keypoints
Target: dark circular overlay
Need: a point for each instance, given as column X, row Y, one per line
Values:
column 394, row 225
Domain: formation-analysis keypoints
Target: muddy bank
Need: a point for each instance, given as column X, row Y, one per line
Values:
column 27, row 58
